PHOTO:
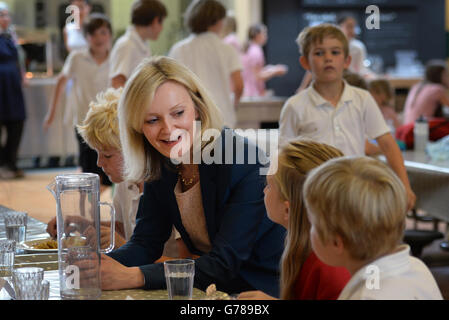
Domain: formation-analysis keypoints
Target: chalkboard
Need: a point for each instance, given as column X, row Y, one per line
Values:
column 404, row 25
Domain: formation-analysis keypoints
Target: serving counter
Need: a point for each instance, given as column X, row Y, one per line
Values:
column 59, row 140
column 251, row 112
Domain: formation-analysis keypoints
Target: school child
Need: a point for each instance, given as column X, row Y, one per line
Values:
column 332, row 111
column 89, row 70
column 217, row 64
column 357, row 208
column 383, row 93
column 427, row 97
column 147, row 17
column 303, row 275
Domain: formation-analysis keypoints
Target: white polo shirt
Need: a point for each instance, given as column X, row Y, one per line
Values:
column 128, row 52
column 89, row 78
column 357, row 116
column 397, row 276
column 126, row 202
column 213, row 61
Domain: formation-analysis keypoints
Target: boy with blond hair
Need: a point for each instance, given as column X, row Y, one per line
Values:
column 357, row 208
column 333, row 112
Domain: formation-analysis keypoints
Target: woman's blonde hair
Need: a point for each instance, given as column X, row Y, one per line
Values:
column 142, row 160
column 296, row 159
column 312, row 35
column 361, row 200
column 100, row 127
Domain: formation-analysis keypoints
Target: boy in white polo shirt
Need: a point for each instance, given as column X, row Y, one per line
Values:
column 357, row 208
column 147, row 17
column 89, row 69
column 332, row 111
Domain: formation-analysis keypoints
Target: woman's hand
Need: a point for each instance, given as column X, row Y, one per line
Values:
column 255, row 295
column 115, row 276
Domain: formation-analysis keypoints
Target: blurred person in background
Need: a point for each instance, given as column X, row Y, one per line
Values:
column 216, row 63
column 12, row 103
column 427, row 97
column 255, row 72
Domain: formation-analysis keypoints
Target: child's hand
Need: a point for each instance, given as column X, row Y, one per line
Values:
column 411, row 199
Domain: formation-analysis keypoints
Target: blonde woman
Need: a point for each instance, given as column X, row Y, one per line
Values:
column 303, row 275
column 216, row 206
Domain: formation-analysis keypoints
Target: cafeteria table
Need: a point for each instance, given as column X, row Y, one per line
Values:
column 49, row 261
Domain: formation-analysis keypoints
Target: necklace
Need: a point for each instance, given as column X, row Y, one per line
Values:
column 186, row 182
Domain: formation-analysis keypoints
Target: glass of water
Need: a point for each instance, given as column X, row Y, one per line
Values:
column 16, row 226
column 179, row 276
column 7, row 252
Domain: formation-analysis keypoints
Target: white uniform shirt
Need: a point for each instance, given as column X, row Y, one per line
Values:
column 401, row 277
column 75, row 37
column 89, row 78
column 357, row 116
column 213, row 61
column 127, row 53
column 126, row 202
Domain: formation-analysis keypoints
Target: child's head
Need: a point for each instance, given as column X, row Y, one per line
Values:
column 101, row 132
column 381, row 91
column 229, row 25
column 84, row 7
column 203, row 14
column 149, row 13
column 284, row 202
column 310, row 36
column 258, row 33
column 437, row 72
column 98, row 31
column 354, row 79
column 356, row 205
column 347, row 22
column 324, row 52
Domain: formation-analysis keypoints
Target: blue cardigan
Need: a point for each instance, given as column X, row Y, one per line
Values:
column 246, row 245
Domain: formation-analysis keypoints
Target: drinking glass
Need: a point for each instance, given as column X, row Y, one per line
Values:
column 16, row 226
column 179, row 276
column 29, row 284
column 7, row 252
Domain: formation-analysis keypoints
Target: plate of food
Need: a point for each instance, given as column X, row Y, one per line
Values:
column 41, row 245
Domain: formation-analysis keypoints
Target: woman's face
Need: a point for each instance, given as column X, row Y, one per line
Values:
column 169, row 124
column 5, row 19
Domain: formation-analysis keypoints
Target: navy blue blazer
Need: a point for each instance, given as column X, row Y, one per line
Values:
column 246, row 245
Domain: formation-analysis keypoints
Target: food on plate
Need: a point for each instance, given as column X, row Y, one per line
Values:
column 213, row 294
column 47, row 244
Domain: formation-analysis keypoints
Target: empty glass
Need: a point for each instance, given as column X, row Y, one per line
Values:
column 179, row 276
column 16, row 226
column 29, row 284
